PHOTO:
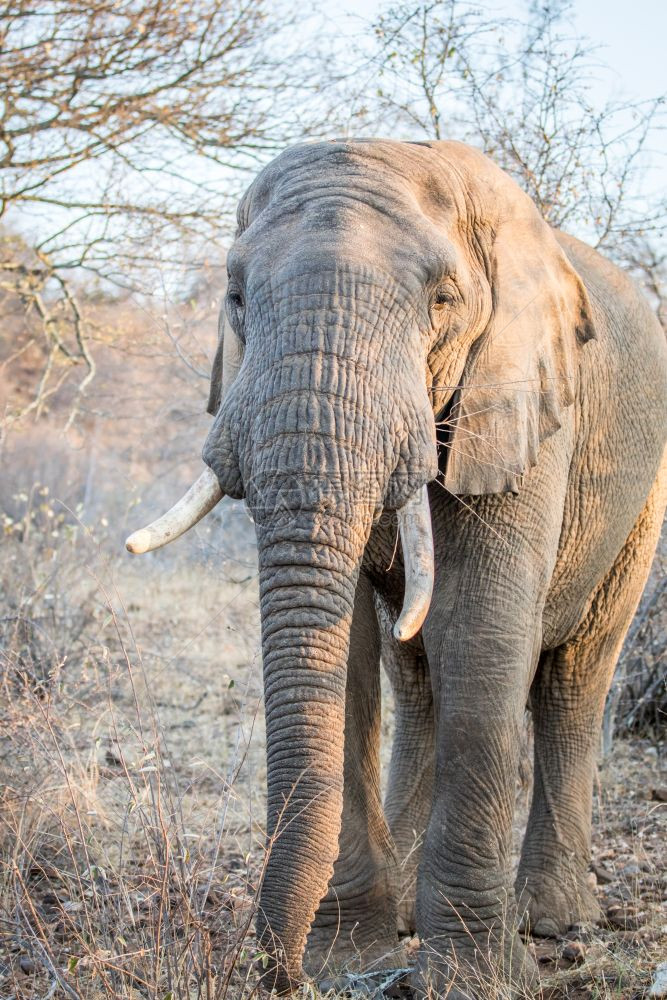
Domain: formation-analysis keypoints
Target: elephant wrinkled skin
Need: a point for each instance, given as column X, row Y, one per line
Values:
column 400, row 315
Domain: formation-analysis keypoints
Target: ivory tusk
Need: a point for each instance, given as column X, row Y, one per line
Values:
column 202, row 497
column 414, row 524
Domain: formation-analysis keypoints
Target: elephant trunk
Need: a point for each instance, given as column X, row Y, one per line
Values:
column 313, row 483
column 308, row 575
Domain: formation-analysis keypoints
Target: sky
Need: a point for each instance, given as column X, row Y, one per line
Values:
column 630, row 50
column 633, row 47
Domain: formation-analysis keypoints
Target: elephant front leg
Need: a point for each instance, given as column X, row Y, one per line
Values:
column 356, row 923
column 466, row 911
column 410, row 785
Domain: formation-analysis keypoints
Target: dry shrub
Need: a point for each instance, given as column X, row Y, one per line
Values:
column 637, row 702
column 111, row 883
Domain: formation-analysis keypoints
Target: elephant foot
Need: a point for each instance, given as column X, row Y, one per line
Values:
column 355, row 932
column 471, row 969
column 550, row 907
column 357, row 949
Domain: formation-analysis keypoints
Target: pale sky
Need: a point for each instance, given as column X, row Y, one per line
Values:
column 632, row 33
column 628, row 36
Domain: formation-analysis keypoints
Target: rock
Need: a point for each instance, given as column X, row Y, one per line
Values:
column 625, row 892
column 72, row 906
column 574, row 951
column 412, row 946
column 607, row 855
column 625, row 918
column 603, row 875
column 630, row 937
column 27, row 965
column 580, row 932
column 652, row 934
column 659, row 985
column 112, row 759
column 543, row 951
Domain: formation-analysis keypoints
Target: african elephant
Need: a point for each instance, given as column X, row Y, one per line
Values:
column 412, row 344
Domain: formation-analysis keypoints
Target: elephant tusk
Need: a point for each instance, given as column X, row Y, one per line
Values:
column 414, row 524
column 202, row 497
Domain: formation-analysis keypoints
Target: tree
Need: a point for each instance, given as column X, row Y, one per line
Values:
column 123, row 124
column 523, row 91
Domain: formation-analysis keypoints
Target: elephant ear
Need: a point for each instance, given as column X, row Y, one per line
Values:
column 226, row 364
column 521, row 373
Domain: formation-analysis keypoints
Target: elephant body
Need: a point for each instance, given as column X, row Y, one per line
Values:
column 404, row 317
column 533, row 596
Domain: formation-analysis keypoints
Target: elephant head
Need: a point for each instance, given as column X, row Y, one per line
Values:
column 374, row 288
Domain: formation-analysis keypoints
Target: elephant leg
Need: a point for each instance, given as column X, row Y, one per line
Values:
column 466, row 915
column 409, row 793
column 567, row 700
column 356, row 923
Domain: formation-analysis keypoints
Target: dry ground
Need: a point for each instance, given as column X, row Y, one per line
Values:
column 131, row 737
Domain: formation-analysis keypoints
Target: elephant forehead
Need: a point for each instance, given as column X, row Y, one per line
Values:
column 334, row 182
column 345, row 229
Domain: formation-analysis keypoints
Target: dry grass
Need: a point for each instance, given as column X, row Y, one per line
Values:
column 132, row 766
column 130, row 859
column 629, row 872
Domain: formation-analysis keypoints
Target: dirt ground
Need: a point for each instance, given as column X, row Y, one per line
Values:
column 133, row 804
column 629, row 872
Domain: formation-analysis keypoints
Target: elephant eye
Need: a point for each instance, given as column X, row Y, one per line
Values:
column 235, row 298
column 444, row 297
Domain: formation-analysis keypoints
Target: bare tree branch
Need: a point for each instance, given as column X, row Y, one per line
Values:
column 126, row 131
column 521, row 89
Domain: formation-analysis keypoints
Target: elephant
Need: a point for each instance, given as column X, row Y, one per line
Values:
column 448, row 420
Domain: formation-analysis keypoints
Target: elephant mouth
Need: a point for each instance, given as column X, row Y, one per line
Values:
column 414, row 523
